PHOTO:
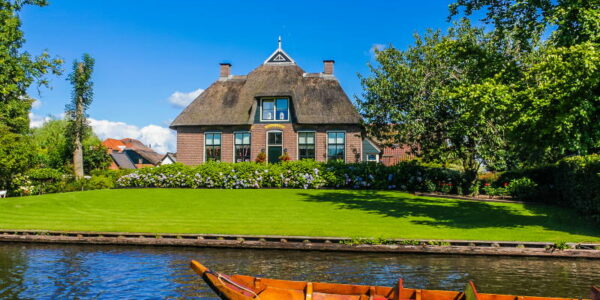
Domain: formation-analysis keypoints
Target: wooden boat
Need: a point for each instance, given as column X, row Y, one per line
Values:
column 240, row 287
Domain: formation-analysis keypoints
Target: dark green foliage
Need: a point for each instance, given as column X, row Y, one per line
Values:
column 16, row 155
column 523, row 189
column 571, row 182
column 577, row 179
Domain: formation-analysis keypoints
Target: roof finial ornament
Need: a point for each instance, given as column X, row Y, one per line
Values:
column 279, row 43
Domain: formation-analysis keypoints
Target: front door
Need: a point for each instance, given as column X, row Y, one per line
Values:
column 274, row 146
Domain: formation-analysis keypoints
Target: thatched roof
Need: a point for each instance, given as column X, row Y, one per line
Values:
column 315, row 98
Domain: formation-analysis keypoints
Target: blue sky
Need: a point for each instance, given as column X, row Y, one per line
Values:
column 150, row 54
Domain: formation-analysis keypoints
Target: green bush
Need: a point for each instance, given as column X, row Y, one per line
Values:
column 408, row 176
column 523, row 189
column 571, row 182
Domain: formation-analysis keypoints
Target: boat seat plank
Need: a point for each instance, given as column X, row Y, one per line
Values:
column 308, row 292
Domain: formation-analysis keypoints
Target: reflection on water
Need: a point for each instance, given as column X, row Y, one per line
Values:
column 109, row 272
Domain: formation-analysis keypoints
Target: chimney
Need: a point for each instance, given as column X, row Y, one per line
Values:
column 225, row 70
column 328, row 64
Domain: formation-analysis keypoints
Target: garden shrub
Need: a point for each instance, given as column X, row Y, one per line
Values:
column 571, row 182
column 523, row 189
column 408, row 176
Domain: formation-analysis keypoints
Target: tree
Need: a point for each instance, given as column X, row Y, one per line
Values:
column 556, row 95
column 82, row 96
column 571, row 21
column 18, row 71
column 442, row 96
column 53, row 150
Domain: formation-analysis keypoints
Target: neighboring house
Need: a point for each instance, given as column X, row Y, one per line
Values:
column 130, row 154
column 277, row 108
column 371, row 151
column 395, row 153
column 169, row 158
column 388, row 155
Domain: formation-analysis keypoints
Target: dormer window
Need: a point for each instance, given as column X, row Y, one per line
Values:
column 275, row 109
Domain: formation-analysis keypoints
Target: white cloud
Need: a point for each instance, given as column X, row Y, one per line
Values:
column 181, row 99
column 377, row 47
column 36, row 121
column 161, row 139
column 36, row 104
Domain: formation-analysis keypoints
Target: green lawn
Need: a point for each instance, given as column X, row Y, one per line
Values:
column 294, row 212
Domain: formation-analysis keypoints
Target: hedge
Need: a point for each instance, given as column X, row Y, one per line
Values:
column 571, row 182
column 407, row 176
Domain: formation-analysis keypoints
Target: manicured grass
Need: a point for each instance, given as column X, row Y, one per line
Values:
column 294, row 212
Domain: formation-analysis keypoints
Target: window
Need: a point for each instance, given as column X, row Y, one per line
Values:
column 335, row 145
column 213, row 146
column 275, row 109
column 372, row 157
column 242, row 146
column 306, row 145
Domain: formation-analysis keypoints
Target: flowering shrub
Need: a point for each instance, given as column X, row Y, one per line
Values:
column 408, row 176
column 296, row 174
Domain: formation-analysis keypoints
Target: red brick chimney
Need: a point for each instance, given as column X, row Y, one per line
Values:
column 225, row 69
column 328, row 65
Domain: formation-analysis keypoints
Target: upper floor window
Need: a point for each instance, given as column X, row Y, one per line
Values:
column 275, row 109
column 212, row 143
column 336, row 144
column 242, row 146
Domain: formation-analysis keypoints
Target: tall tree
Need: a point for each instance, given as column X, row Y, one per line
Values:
column 81, row 79
column 556, row 97
column 442, row 96
column 571, row 21
column 18, row 71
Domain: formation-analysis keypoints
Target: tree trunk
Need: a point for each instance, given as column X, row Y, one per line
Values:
column 78, row 149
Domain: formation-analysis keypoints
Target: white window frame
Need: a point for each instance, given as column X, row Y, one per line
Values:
column 241, row 131
column 298, row 143
column 376, row 157
column 275, row 109
column 327, row 143
column 204, row 150
column 267, row 142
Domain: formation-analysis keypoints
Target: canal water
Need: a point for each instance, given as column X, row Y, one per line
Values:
column 38, row 271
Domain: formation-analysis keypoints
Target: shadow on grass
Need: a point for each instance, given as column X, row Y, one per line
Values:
column 458, row 214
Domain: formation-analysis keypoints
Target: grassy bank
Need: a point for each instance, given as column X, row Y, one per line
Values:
column 294, row 212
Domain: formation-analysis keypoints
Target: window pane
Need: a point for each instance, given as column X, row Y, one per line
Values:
column 274, row 138
column 246, row 139
column 217, row 139
column 340, row 138
column 301, row 138
column 268, row 108
column 238, row 138
column 310, row 138
column 282, row 109
column 209, row 139
column 331, row 137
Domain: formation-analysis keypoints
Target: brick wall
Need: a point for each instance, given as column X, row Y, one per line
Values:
column 394, row 154
column 190, row 144
column 190, row 141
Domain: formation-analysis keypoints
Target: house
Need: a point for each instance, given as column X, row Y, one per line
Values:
column 130, row 153
column 277, row 109
column 169, row 158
